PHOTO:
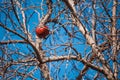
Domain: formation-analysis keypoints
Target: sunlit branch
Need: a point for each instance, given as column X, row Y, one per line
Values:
column 14, row 10
column 91, row 42
column 43, row 21
column 23, row 23
column 46, row 17
column 23, row 16
column 71, row 5
column 80, row 25
column 83, row 71
column 12, row 41
column 56, row 58
column 94, row 22
column 72, row 57
column 114, row 39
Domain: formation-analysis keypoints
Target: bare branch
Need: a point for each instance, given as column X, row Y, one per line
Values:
column 114, row 39
column 91, row 42
column 29, row 41
column 81, row 32
column 46, row 17
column 44, row 67
column 72, row 57
column 15, row 12
column 94, row 22
column 12, row 41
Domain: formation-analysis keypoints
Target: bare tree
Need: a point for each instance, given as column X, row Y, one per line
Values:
column 83, row 43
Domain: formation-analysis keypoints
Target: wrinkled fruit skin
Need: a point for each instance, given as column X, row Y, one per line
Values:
column 42, row 32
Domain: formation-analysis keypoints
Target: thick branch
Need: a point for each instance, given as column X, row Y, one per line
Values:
column 114, row 39
column 12, row 41
column 44, row 67
column 94, row 22
column 90, row 41
column 72, row 57
column 46, row 17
